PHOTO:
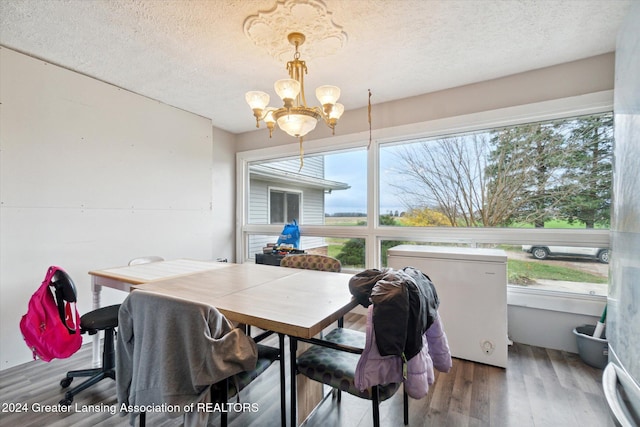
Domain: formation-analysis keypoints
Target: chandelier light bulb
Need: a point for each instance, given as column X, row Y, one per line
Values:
column 257, row 100
column 287, row 88
column 328, row 94
column 297, row 125
column 336, row 111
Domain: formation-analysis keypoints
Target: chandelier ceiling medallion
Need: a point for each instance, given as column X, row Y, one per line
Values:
column 295, row 117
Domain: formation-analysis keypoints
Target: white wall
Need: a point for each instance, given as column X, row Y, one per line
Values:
column 91, row 176
column 224, row 196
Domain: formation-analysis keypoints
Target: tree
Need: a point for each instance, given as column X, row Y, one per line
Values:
column 387, row 220
column 424, row 217
column 529, row 173
column 589, row 171
column 473, row 180
column 443, row 174
column 352, row 252
column 524, row 171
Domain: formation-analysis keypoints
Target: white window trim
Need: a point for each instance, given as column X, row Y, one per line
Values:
column 373, row 233
column 581, row 304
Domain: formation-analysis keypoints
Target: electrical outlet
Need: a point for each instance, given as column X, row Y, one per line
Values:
column 487, row 347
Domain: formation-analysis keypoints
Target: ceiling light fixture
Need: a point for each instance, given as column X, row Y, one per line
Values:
column 295, row 117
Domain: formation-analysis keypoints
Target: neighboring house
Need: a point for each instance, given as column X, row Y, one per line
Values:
column 279, row 193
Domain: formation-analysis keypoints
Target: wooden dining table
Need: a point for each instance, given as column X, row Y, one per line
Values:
column 292, row 302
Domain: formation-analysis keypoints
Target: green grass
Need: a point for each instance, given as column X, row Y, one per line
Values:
column 551, row 224
column 334, row 250
column 346, row 220
column 557, row 223
column 525, row 272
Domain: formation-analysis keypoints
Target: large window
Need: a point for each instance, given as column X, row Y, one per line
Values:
column 540, row 190
column 554, row 174
column 545, row 175
column 324, row 189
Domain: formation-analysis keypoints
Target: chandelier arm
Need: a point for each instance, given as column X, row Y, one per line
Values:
column 330, row 122
column 320, row 111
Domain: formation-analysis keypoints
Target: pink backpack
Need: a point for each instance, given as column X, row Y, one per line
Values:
column 51, row 327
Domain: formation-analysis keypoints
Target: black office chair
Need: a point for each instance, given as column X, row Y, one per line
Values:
column 102, row 319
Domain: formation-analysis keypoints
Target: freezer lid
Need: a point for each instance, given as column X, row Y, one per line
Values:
column 448, row 253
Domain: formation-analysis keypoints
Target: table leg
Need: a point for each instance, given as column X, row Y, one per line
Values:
column 283, row 386
column 293, row 348
column 97, row 289
column 306, row 394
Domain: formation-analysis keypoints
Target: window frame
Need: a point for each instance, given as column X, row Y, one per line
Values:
column 285, row 191
column 373, row 233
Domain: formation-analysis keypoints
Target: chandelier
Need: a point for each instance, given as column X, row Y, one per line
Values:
column 295, row 117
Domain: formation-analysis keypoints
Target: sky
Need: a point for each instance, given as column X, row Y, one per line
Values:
column 351, row 167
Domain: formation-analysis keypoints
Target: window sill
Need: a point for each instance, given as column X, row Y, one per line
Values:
column 590, row 305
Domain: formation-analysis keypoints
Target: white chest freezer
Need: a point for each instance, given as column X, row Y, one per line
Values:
column 472, row 287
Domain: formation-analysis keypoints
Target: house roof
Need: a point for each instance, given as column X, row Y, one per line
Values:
column 291, row 178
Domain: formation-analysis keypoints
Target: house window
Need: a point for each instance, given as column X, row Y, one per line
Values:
column 284, row 206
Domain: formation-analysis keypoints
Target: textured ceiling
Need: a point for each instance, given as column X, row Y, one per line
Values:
column 194, row 54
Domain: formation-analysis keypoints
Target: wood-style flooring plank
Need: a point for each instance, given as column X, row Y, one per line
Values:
column 480, row 392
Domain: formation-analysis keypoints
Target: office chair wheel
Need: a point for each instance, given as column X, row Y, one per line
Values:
column 65, row 382
column 66, row 401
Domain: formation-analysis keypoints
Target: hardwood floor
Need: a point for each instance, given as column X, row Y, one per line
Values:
column 540, row 387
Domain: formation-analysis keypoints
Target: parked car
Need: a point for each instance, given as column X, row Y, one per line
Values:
column 542, row 252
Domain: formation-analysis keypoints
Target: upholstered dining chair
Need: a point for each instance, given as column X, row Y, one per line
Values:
column 102, row 319
column 176, row 352
column 146, row 260
column 333, row 361
column 333, row 358
column 311, row 262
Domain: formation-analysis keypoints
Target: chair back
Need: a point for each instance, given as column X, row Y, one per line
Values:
column 64, row 287
column 171, row 349
column 65, row 291
column 312, row 262
column 145, row 260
